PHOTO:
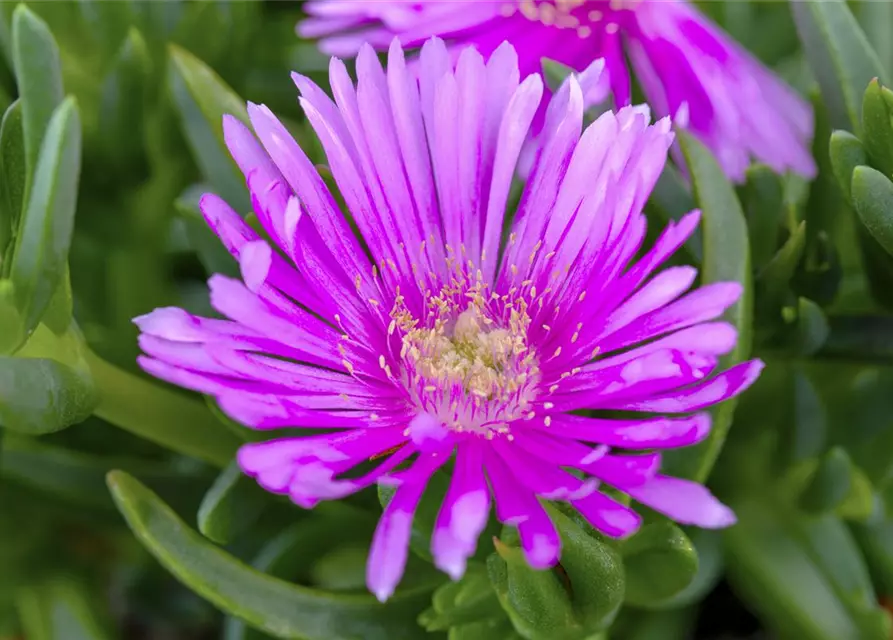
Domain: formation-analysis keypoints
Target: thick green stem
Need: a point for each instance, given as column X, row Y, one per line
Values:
column 165, row 417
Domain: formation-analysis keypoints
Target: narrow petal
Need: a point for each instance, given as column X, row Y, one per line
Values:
column 684, row 501
column 607, row 515
column 390, row 544
column 464, row 513
column 653, row 433
column 721, row 387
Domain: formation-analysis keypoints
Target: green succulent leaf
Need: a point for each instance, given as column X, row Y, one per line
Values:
column 804, row 430
column 847, row 153
column 708, row 547
column 812, row 327
column 202, row 99
column 47, row 386
column 859, row 503
column 876, row 542
column 876, row 20
column 12, row 326
column 765, row 206
column 873, row 200
column 468, row 601
column 232, row 505
column 660, row 561
column 726, row 259
column 537, row 602
column 877, row 109
column 840, row 57
column 38, row 73
column 277, row 607
column 778, row 561
column 13, row 175
column 40, row 258
column 830, row 484
column 774, row 280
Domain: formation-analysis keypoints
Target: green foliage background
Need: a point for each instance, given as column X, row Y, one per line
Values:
column 135, row 522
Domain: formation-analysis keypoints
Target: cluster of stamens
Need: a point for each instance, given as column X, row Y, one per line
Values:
column 579, row 15
column 467, row 360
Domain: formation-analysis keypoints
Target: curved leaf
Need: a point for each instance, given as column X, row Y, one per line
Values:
column 877, row 105
column 873, row 200
column 726, row 259
column 40, row 257
column 46, row 386
column 774, row 574
column 660, row 562
column 764, row 202
column 847, row 153
column 830, row 483
column 281, row 609
column 13, row 174
column 708, row 546
column 39, row 77
column 233, row 503
column 202, row 99
column 840, row 57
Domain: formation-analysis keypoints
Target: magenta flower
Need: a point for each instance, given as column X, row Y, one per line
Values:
column 433, row 339
column 688, row 68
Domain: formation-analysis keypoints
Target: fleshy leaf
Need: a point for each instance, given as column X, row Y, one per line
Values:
column 13, row 175
column 660, row 562
column 537, row 602
column 40, row 257
column 726, row 259
column 830, row 483
column 877, row 105
column 39, row 77
column 764, row 204
column 840, row 57
column 847, row 153
column 277, row 607
column 777, row 565
column 812, row 327
column 873, row 200
column 233, row 503
column 46, row 386
column 202, row 99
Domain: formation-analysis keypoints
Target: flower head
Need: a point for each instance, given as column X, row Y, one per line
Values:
column 688, row 68
column 437, row 338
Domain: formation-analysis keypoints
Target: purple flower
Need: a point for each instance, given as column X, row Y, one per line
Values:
column 688, row 68
column 433, row 339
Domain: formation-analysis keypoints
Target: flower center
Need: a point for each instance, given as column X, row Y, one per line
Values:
column 580, row 15
column 467, row 361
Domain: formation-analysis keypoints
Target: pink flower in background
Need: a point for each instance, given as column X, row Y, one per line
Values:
column 688, row 68
column 436, row 338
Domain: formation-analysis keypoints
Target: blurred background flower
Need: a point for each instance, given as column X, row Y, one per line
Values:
column 686, row 66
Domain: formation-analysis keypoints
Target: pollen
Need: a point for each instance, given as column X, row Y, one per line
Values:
column 466, row 358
